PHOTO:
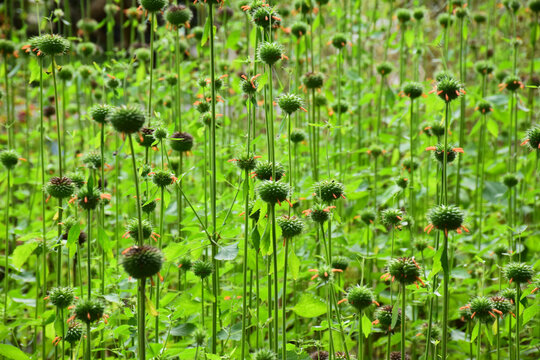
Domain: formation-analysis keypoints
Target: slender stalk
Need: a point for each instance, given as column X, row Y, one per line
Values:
column 518, row 302
column 479, row 339
column 403, row 317
column 360, row 338
column 6, row 245
column 444, row 256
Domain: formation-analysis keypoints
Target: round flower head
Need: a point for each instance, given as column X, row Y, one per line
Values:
column 418, row 14
column 320, row 354
column 340, row 263
column 202, row 269
column 246, row 162
column 263, row 170
column 66, row 73
column 299, row 29
column 518, row 272
column 402, row 182
column 534, row 5
column 141, row 262
column 329, row 190
column 61, row 297
column 421, row 244
column 481, row 309
column 7, row 48
column 298, row 136
column 445, row 217
column 340, row 107
column 9, row 158
column 178, row 15
column 202, row 106
column 445, row 20
column 92, row 160
column 532, row 138
column 86, row 49
column 185, row 263
column 461, row 12
column 484, row 107
column 289, row 103
column 409, row 164
column 199, row 336
column 438, row 152
column 99, row 113
column 448, row 88
column 87, row 26
column 142, row 54
column 88, row 198
column 339, row 41
column 112, row 83
column 50, row 44
column 376, row 151
column 512, row 5
column 403, row 15
column 73, row 333
column 269, row 52
column 148, row 206
column 324, row 274
column 89, row 310
column 249, row 86
column 501, row 304
column 383, row 317
column 479, row 17
column 273, row 192
column 85, row 71
column 60, row 187
column 396, row 355
column 181, row 141
column 153, row 5
column 510, row 294
column 304, row 6
column 313, row 80
column 264, row 354
column 500, row 250
column 405, row 270
column 320, row 100
column 484, row 67
column 511, row 83
column 360, row 297
column 391, row 217
column 132, row 228
column 510, row 180
column 318, row 213
column 127, row 119
column 163, row 178
column 436, row 331
column 266, row 18
column 146, row 137
column 413, row 90
column 161, row 133
column 290, row 226
column 435, row 128
column 368, row 217
column 385, row 68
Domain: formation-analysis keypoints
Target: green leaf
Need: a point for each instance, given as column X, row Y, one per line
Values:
column 73, row 234
column 474, row 333
column 530, row 313
column 366, row 326
column 150, row 308
column 256, row 238
column 228, row 252
column 395, row 314
column 183, row 329
column 294, row 265
column 310, row 306
column 492, row 127
column 436, row 262
column 12, row 353
column 22, row 252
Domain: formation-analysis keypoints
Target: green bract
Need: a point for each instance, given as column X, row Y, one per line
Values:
column 290, row 226
column 446, row 217
column 202, row 269
column 181, row 141
column 269, row 52
column 89, row 310
column 127, row 119
column 328, row 190
column 360, row 297
column 142, row 262
column 60, row 187
column 273, row 192
column 178, row 15
column 50, row 44
column 153, row 5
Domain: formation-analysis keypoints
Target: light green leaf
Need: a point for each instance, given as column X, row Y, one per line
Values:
column 12, row 353
column 310, row 306
column 474, row 333
column 22, row 252
column 150, row 308
column 492, row 127
column 530, row 313
column 366, row 325
column 294, row 265
column 228, row 252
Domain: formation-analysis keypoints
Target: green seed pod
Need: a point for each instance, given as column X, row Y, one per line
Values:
column 127, row 119
column 92, row 160
column 484, row 106
column 290, row 226
column 112, row 83
column 50, row 44
column 438, row 154
column 181, row 141
column 501, row 304
column 403, row 15
column 413, row 90
column 500, row 250
column 88, row 198
column 484, row 67
column 512, row 83
column 185, row 263
column 87, row 26
column 132, row 228
column 147, row 137
column 339, row 41
column 89, row 310
column 461, row 13
column 384, row 317
column 153, row 5
column 329, row 190
column 448, row 88
column 479, row 18
column 325, row 274
column 340, row 107
column 73, row 333
column 264, row 354
column 368, row 216
column 266, row 17
column 360, row 297
column 246, row 162
column 249, row 87
column 446, row 217
column 66, row 73
column 9, row 158
column 298, row 136
column 319, row 213
column 385, row 68
column 202, row 269
column 289, row 103
column 61, row 297
column 7, row 48
column 141, row 262
column 197, row 32
column 77, row 179
column 163, row 178
column 436, row 332
column 391, row 217
column 178, row 15
column 269, row 52
column 405, row 270
column 532, row 138
column 86, row 49
column 299, row 29
column 510, row 180
column 481, row 308
column 60, row 187
column 512, row 5
column 518, row 272
column 421, row 244
column 510, row 294
column 85, row 71
column 409, row 164
column 435, row 129
column 340, row 263
column 199, row 336
column 161, row 133
column 263, row 170
column 445, row 20
column 396, row 355
column 148, row 206
column 402, row 182
column 320, row 354
column 273, row 192
column 313, row 80
column 142, row 54
column 534, row 5
column 99, row 113
column 419, row 14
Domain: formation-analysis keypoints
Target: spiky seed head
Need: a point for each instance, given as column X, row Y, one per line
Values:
column 9, row 158
column 141, row 262
column 181, row 141
column 203, row 106
column 185, row 263
column 161, row 133
column 86, row 49
column 263, row 170
column 290, row 226
column 60, row 187
column 384, row 315
column 512, row 82
column 413, row 90
column 199, row 337
column 273, row 192
column 534, row 5
column 510, row 180
column 289, row 103
column 50, row 44
column 328, row 190
column 419, row 14
column 313, row 80
column 269, row 52
column 88, row 199
column 319, row 213
column 92, row 160
column 254, row 215
column 512, row 5
column 385, row 68
column 202, row 269
column 461, row 12
column 153, row 5
column 112, row 83
column 266, row 17
column 391, row 217
column 77, row 178
column 446, row 217
column 264, row 354
column 146, row 138
column 178, row 15
column 451, row 154
column 449, row 88
column 532, row 136
column 325, row 274
column 484, row 106
column 481, row 307
column 298, row 136
column 7, row 48
column 148, row 206
column 132, row 228
column 368, row 216
column 320, row 100
column 518, row 272
column 403, row 15
column 405, row 270
column 445, row 20
column 89, row 310
column 396, row 355
column 340, row 263
column 66, row 73
column 127, row 119
column 340, row 107
column 299, row 29
column 402, row 182
column 73, row 333
column 87, row 25
column 484, row 67
column 360, row 297
column 339, row 41
column 162, row 178
column 436, row 331
column 421, row 244
column 142, row 54
column 501, row 304
column 500, row 250
column 99, row 113
column 510, row 294
column 61, row 297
